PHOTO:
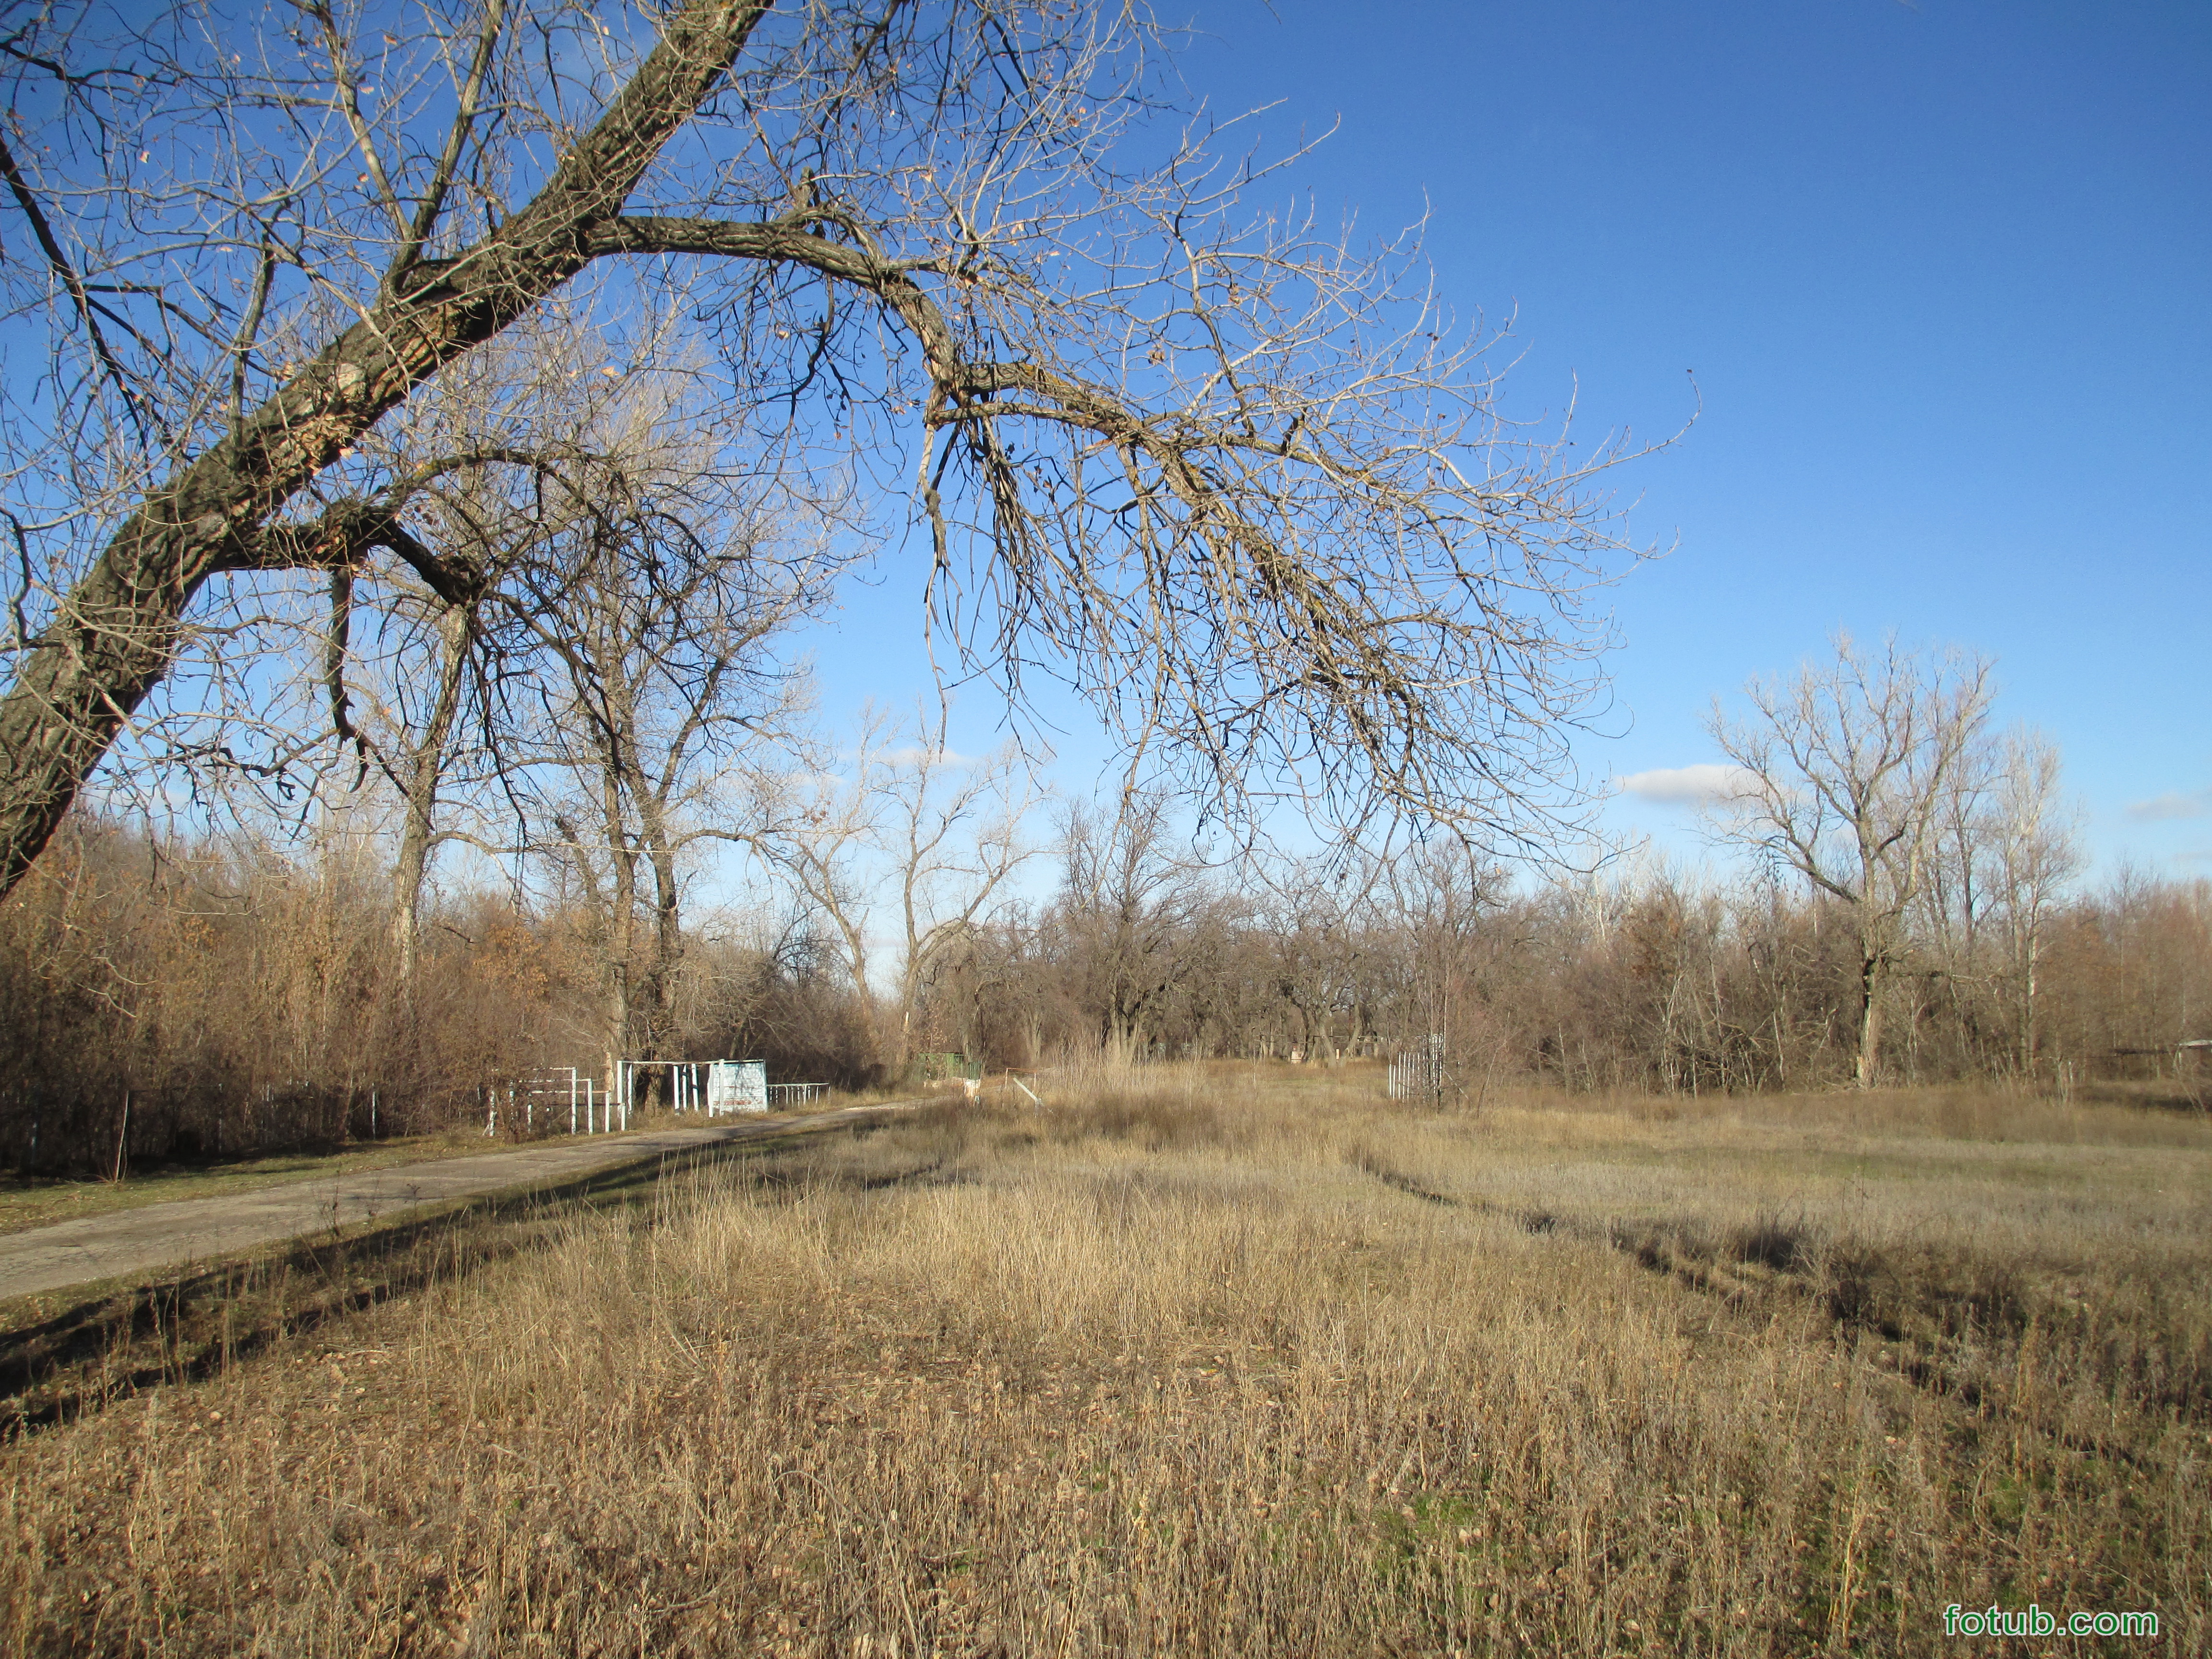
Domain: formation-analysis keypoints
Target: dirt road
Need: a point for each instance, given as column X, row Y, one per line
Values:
column 124, row 1241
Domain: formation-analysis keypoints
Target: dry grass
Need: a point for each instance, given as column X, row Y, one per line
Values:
column 1225, row 1363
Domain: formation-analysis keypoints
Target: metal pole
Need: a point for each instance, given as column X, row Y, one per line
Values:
column 571, row 1100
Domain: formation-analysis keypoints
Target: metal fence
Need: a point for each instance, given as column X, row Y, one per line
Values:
column 795, row 1094
column 1419, row 1073
column 552, row 1099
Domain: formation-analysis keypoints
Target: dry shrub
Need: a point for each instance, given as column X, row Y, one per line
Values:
column 1155, row 1122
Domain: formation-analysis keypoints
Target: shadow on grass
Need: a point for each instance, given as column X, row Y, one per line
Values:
column 2189, row 1094
column 58, row 1363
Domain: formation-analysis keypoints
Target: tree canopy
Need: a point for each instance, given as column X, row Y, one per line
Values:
column 1233, row 475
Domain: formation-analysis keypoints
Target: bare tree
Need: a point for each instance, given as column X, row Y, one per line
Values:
column 486, row 497
column 1315, row 918
column 2036, row 836
column 939, row 833
column 654, row 616
column 955, row 837
column 1844, row 771
column 515, row 457
column 820, row 836
column 1446, row 904
column 2008, row 846
column 1130, row 903
column 1240, row 483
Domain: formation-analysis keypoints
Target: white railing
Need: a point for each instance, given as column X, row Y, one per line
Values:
column 795, row 1094
column 1417, row 1076
column 554, row 1097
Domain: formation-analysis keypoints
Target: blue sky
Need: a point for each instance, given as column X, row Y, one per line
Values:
column 1942, row 273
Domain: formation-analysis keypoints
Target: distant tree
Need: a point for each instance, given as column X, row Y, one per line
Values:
column 1129, row 908
column 913, row 828
column 2036, row 835
column 653, row 616
column 1845, row 770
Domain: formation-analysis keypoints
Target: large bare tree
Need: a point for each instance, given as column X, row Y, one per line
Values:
column 497, row 467
column 1237, row 480
column 650, row 622
column 1843, row 773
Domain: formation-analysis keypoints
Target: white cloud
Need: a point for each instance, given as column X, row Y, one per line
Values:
column 914, row 754
column 2171, row 804
column 1688, row 786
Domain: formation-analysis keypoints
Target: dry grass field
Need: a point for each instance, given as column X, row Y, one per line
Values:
column 1229, row 1361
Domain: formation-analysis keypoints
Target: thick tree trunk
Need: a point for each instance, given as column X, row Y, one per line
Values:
column 1869, row 1065
column 616, row 1012
column 667, row 939
column 117, row 634
column 426, row 769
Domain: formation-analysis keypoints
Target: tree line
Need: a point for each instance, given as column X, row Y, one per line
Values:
column 245, row 994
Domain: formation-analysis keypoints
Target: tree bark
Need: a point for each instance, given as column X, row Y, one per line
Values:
column 1868, row 1068
column 425, row 768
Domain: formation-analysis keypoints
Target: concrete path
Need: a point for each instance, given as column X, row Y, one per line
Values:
column 124, row 1242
